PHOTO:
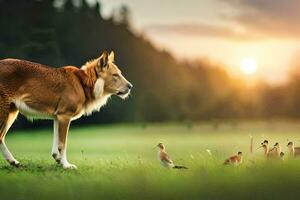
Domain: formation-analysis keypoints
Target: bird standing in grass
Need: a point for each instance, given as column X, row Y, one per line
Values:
column 281, row 155
column 165, row 159
column 294, row 151
column 265, row 146
column 275, row 151
column 234, row 160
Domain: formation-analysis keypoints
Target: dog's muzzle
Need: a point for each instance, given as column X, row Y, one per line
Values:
column 124, row 93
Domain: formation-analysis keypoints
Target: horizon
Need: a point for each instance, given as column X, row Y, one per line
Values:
column 222, row 31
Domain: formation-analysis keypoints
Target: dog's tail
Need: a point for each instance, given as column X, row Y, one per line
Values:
column 179, row 167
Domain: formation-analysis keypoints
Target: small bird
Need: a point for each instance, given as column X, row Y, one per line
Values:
column 234, row 160
column 265, row 146
column 281, row 155
column 294, row 151
column 165, row 159
column 266, row 149
column 275, row 151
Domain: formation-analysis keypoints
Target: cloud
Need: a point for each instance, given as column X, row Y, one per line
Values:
column 273, row 18
column 255, row 19
column 203, row 30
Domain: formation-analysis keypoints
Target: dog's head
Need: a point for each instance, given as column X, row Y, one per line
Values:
column 109, row 77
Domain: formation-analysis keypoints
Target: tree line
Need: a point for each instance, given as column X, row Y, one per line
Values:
column 59, row 33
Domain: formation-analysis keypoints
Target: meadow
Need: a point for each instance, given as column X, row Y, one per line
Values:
column 119, row 162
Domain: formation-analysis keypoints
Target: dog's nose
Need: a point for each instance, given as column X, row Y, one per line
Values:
column 129, row 86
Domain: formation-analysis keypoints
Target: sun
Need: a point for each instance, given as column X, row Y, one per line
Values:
column 248, row 66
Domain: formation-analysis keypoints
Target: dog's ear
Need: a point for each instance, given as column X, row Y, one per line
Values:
column 103, row 61
column 111, row 56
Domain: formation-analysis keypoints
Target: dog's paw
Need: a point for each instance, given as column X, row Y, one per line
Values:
column 69, row 166
column 15, row 163
column 56, row 157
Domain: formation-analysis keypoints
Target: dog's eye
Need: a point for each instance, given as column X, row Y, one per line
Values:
column 116, row 75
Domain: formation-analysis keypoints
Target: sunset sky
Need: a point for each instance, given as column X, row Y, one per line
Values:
column 224, row 31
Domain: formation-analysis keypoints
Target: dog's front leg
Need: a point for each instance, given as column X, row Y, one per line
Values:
column 63, row 128
column 55, row 153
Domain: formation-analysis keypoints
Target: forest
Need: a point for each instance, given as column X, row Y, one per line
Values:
column 59, row 33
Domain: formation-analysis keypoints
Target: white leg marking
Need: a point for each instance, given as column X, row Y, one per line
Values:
column 7, row 155
column 64, row 160
column 55, row 152
column 63, row 152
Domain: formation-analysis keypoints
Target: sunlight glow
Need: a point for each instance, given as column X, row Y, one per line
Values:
column 248, row 66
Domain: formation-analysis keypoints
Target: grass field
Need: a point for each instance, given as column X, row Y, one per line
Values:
column 119, row 162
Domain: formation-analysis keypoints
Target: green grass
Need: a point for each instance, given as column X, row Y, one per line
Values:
column 119, row 162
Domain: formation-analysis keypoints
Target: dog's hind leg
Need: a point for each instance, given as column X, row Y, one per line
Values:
column 8, row 115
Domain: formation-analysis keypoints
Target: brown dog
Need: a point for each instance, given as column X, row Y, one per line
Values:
column 62, row 94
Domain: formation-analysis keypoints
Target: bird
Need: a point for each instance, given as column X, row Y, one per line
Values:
column 294, row 151
column 265, row 146
column 281, row 155
column 234, row 160
column 266, row 149
column 165, row 159
column 275, row 151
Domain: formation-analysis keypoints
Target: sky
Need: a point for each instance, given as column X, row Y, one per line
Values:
column 223, row 31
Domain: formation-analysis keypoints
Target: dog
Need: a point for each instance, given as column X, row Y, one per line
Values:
column 60, row 94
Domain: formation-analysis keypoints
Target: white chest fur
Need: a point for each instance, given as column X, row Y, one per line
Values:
column 100, row 98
